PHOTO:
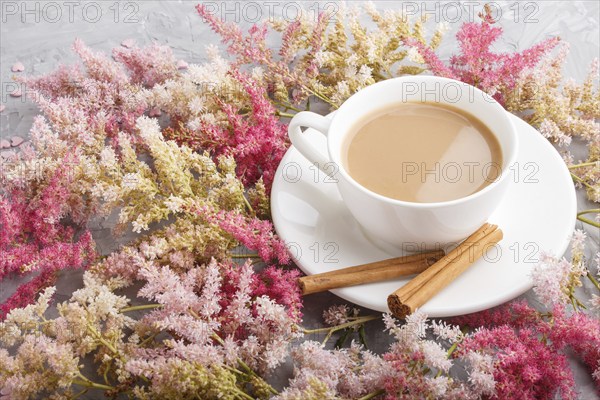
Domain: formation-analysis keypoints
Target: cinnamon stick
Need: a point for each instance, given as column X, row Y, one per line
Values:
column 413, row 285
column 424, row 286
column 371, row 272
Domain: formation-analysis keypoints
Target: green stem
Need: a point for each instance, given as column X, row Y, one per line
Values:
column 247, row 203
column 148, row 339
column 285, row 115
column 142, row 307
column 88, row 383
column 248, row 255
column 593, row 280
column 451, row 349
column 588, row 221
column 320, row 96
column 99, row 338
column 289, row 106
column 372, row 395
column 342, row 326
column 585, row 164
column 580, row 180
column 591, row 211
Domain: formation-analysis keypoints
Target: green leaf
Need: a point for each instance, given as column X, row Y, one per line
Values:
column 362, row 336
column 342, row 339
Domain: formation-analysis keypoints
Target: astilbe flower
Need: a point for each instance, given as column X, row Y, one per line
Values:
column 215, row 321
column 326, row 374
column 338, row 314
column 251, row 232
column 581, row 333
column 315, row 61
column 554, row 279
column 105, row 94
column 514, row 339
column 477, row 64
column 147, row 66
column 412, row 350
column 563, row 111
column 524, row 366
column 258, row 141
column 41, row 367
column 253, row 49
column 47, row 356
column 33, row 238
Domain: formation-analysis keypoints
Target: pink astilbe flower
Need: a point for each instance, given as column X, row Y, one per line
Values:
column 253, row 49
column 525, row 366
column 477, row 64
column 217, row 317
column 28, row 292
column 327, row 374
column 147, row 66
column 253, row 233
column 515, row 313
column 104, row 94
column 250, row 48
column 581, row 333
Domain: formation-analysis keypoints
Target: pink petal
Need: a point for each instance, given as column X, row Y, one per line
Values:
column 16, row 141
column 155, row 112
column 128, row 43
column 18, row 67
column 16, row 93
column 4, row 144
column 2, row 107
column 181, row 64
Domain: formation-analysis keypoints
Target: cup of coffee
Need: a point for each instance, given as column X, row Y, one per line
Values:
column 420, row 161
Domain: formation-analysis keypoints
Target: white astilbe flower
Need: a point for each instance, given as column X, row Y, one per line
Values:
column 550, row 130
column 443, row 331
column 51, row 367
column 174, row 203
column 550, row 279
column 438, row 385
column 411, row 332
column 19, row 321
column 435, row 355
column 481, row 372
column 415, row 56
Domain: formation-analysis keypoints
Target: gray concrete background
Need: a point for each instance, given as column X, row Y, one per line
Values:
column 39, row 34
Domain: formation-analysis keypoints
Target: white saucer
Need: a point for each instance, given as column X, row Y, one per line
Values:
column 537, row 214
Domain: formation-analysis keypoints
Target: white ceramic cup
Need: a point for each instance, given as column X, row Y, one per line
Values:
column 403, row 224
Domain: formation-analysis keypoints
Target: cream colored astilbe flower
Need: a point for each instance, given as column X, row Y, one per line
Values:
column 562, row 112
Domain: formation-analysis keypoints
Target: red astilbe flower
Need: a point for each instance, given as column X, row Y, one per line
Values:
column 280, row 285
column 477, row 64
column 32, row 239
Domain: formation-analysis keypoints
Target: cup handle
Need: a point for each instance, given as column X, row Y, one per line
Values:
column 302, row 143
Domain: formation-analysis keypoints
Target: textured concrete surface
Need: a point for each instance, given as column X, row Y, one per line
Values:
column 39, row 34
